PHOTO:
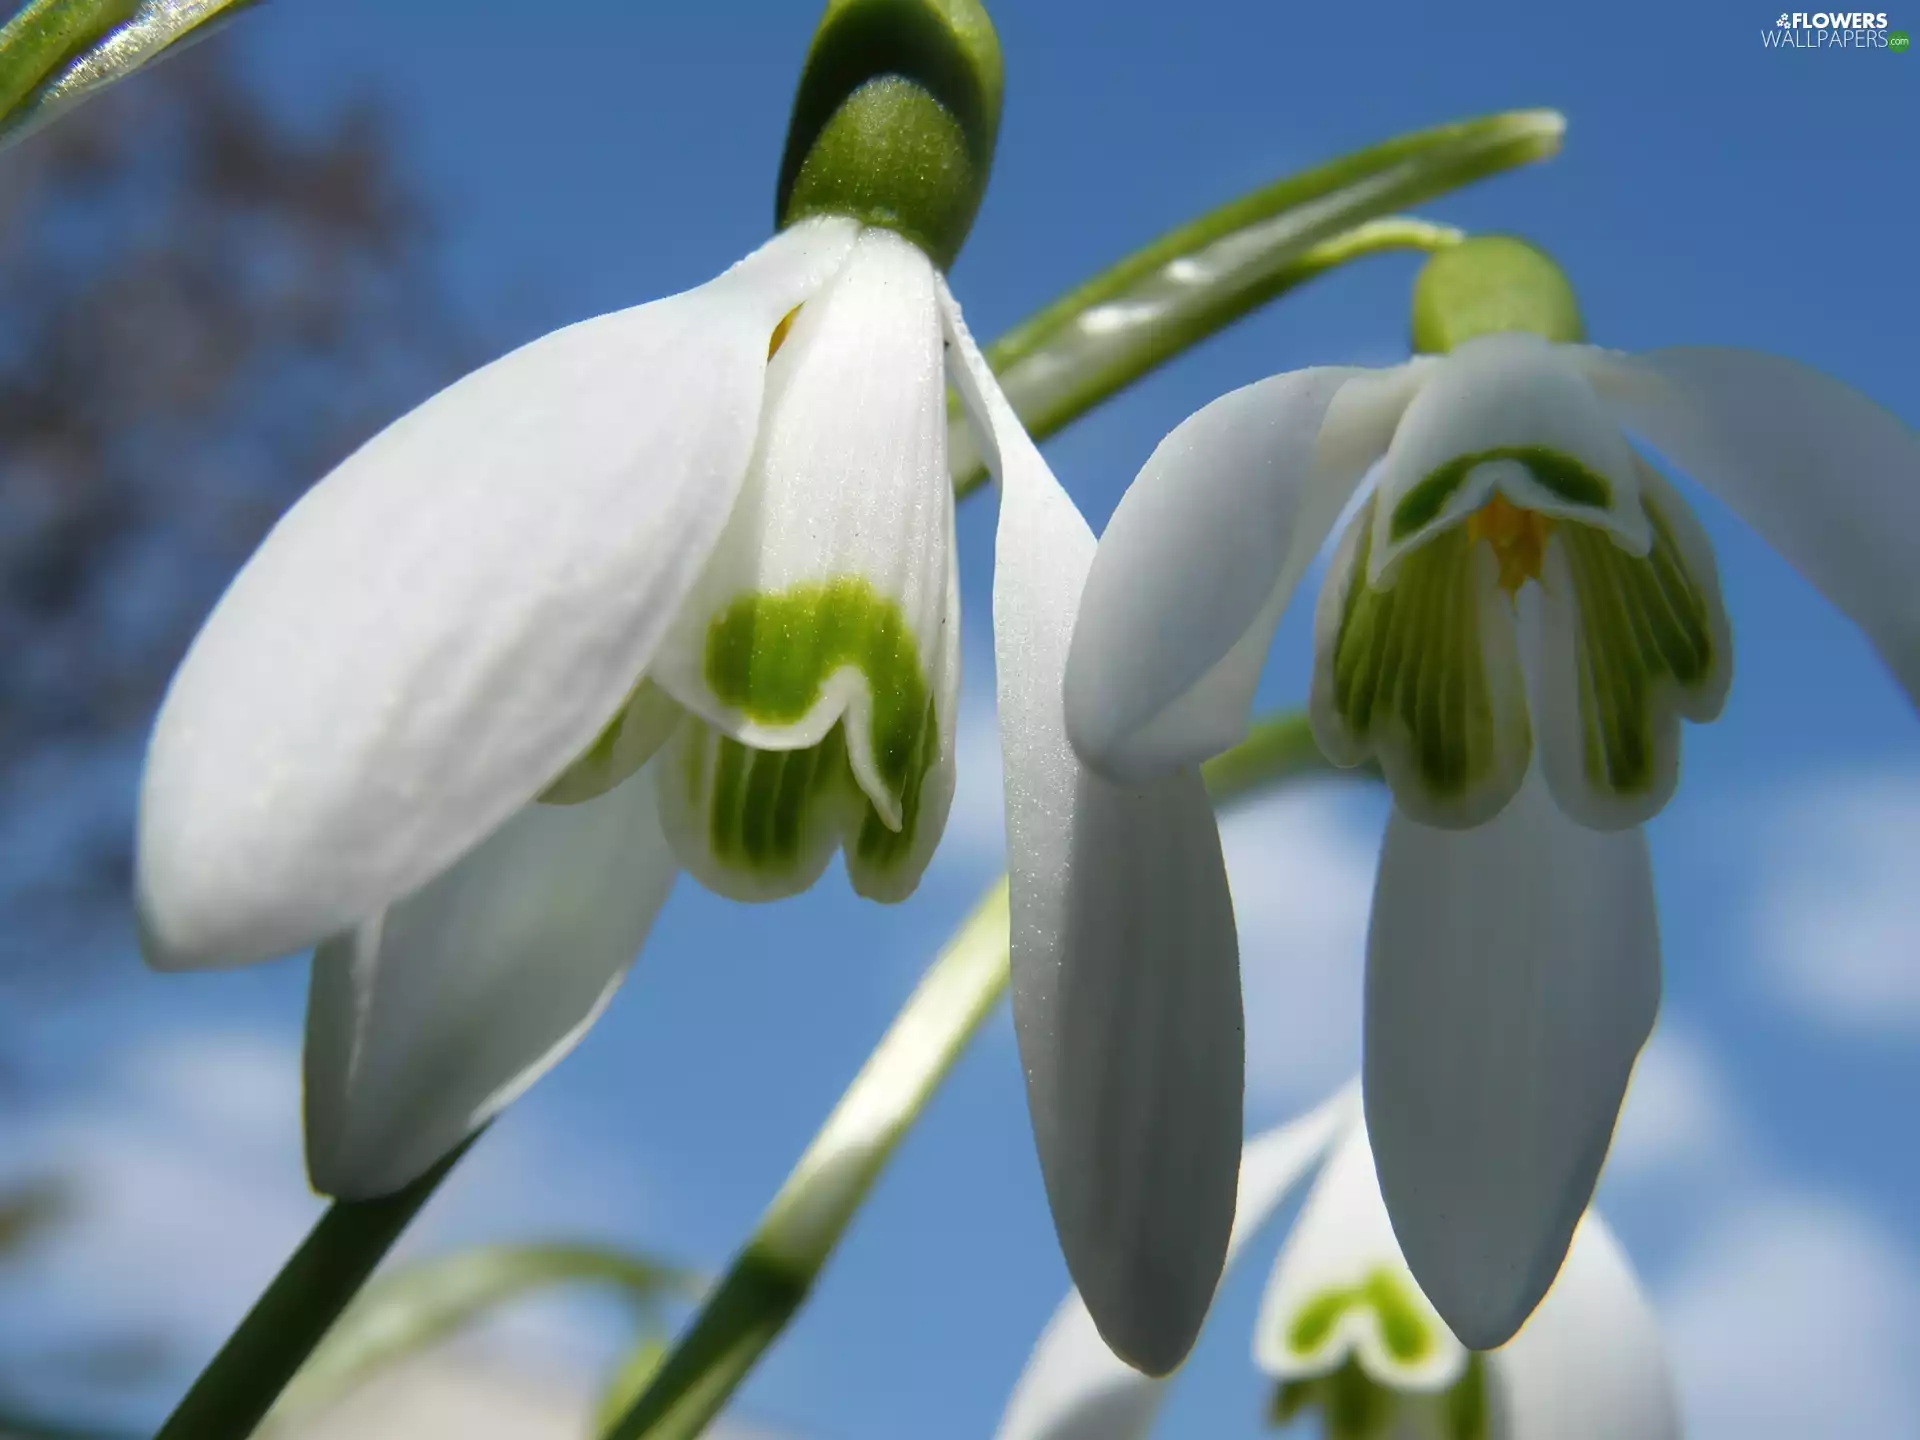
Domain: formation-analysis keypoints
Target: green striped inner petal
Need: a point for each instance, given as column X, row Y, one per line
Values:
column 762, row 824
column 1409, row 668
column 1644, row 624
column 769, row 657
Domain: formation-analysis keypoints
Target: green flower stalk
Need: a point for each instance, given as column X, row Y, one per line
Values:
column 56, row 53
column 1517, row 618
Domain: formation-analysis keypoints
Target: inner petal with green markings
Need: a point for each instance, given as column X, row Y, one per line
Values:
column 1419, row 664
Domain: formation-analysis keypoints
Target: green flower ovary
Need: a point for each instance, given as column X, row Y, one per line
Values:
column 895, row 120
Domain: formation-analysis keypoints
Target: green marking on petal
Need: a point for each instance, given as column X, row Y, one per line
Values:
column 1316, row 1319
column 1643, row 624
column 1402, row 1329
column 1409, row 668
column 770, row 656
column 1558, row 474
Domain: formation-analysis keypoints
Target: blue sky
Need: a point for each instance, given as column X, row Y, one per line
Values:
column 590, row 155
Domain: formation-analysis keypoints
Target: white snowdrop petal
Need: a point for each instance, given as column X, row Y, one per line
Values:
column 1126, row 988
column 1074, row 1387
column 430, row 1018
column 450, row 617
column 1201, row 557
column 1826, row 477
column 1513, row 973
column 830, row 599
column 1590, row 1364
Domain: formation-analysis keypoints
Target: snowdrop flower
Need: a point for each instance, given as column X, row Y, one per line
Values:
column 671, row 588
column 1515, row 621
column 1346, row 1335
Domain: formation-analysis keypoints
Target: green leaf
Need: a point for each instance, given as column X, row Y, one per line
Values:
column 55, row 53
column 1200, row 278
column 420, row 1304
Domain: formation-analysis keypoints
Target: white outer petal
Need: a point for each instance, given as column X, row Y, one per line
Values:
column 849, row 480
column 1825, row 476
column 1202, row 555
column 1513, row 973
column 1126, row 983
column 1343, row 1236
column 451, row 616
column 1589, row 1365
column 1074, row 1387
column 429, row 1020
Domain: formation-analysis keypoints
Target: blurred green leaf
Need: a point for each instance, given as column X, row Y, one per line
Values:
column 55, row 53
column 24, row 1425
column 418, row 1305
column 1201, row 277
column 629, row 1381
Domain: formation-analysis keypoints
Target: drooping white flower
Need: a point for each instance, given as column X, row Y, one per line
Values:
column 1346, row 1334
column 1515, row 621
column 676, row 588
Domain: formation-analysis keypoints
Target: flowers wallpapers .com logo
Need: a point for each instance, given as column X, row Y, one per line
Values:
column 1834, row 30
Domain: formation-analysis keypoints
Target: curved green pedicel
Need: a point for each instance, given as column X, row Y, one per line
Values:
column 895, row 120
column 1492, row 285
column 1413, row 655
column 1644, row 622
column 1558, row 474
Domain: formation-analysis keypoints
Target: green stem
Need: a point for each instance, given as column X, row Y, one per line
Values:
column 771, row 1277
column 1050, row 390
column 241, row 1383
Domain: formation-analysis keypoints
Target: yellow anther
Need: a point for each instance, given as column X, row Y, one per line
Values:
column 1518, row 538
column 780, row 331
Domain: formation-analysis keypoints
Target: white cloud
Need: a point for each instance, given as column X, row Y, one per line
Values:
column 191, row 1192
column 1838, row 912
column 1302, row 867
column 1679, row 1124
column 976, row 834
column 460, row 1394
column 1795, row 1318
